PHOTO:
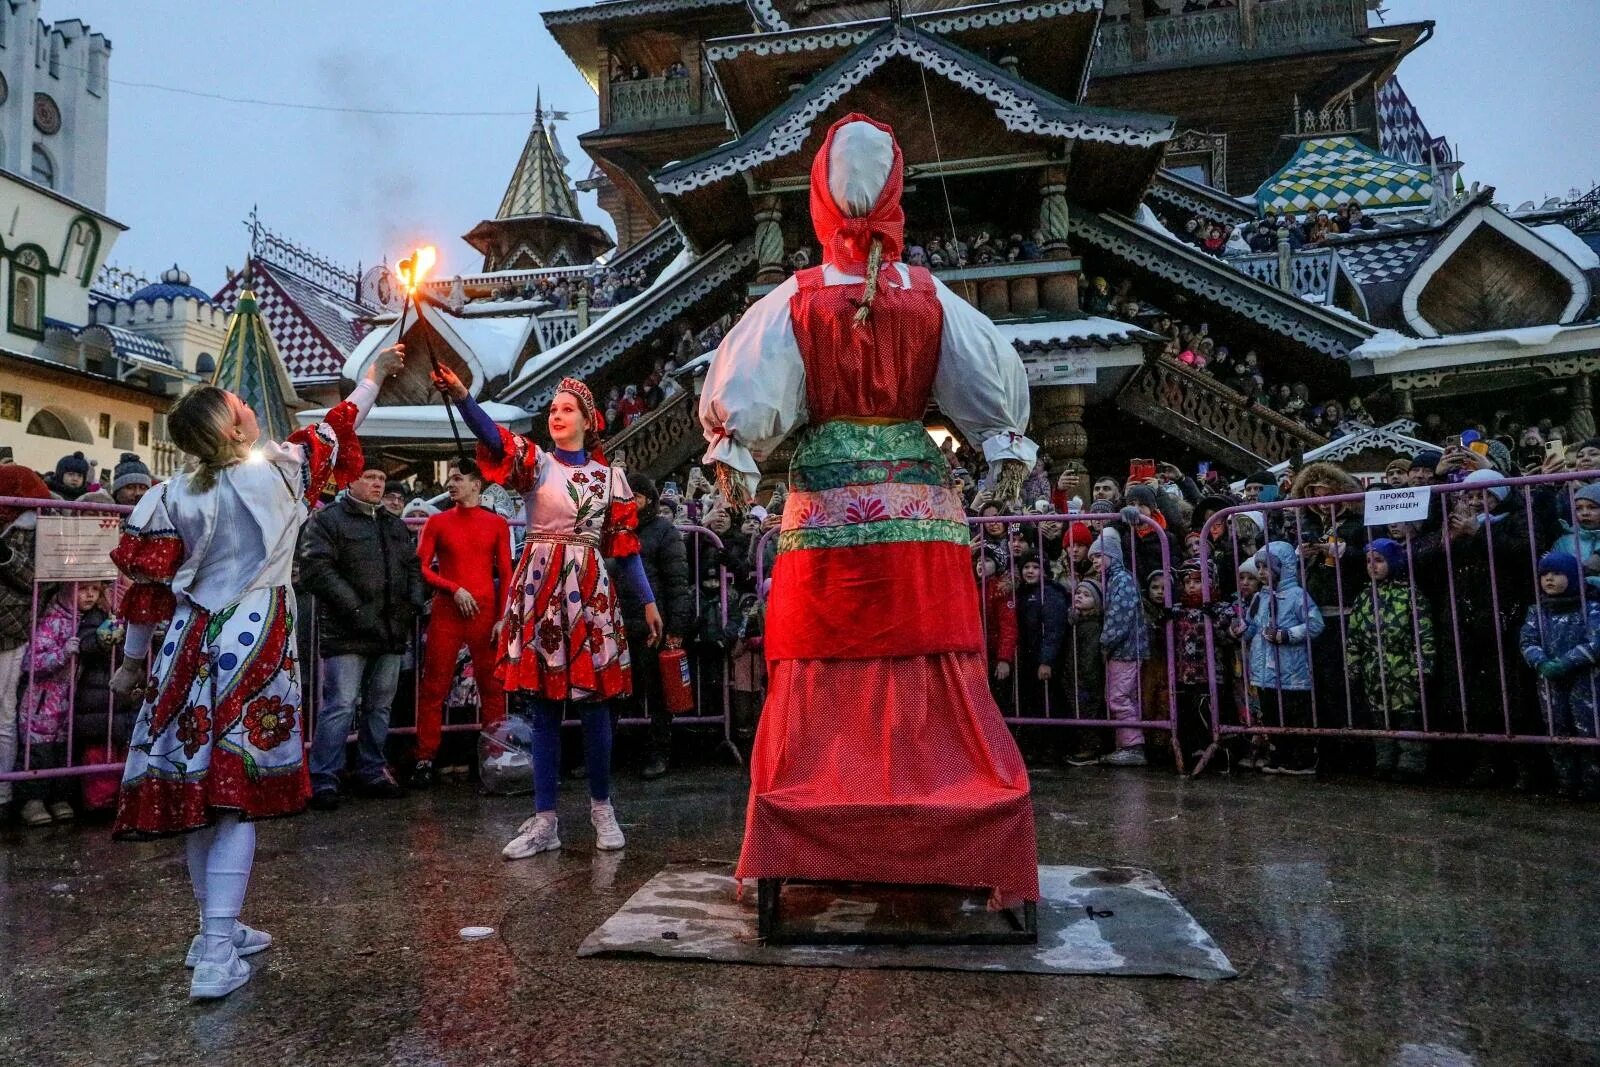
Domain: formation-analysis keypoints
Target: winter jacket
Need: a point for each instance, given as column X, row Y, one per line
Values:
column 1568, row 629
column 1288, row 607
column 1124, row 637
column 999, row 621
column 1086, row 670
column 1384, row 638
column 49, row 668
column 666, row 566
column 16, row 582
column 1189, row 639
column 1042, row 621
column 93, row 697
column 362, row 568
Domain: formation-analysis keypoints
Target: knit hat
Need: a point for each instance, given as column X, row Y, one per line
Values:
column 130, row 470
column 397, row 488
column 1500, row 492
column 1081, row 533
column 73, row 464
column 1142, row 495
column 17, row 480
column 417, row 505
column 1590, row 492
column 1428, row 458
column 1589, row 442
column 1249, row 567
column 1262, row 478
column 1102, row 507
column 1562, row 563
column 1403, row 465
column 1393, row 553
column 1501, row 457
column 1094, row 588
column 1109, row 543
column 1258, row 519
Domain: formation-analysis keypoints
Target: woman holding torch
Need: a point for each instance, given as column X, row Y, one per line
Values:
column 561, row 633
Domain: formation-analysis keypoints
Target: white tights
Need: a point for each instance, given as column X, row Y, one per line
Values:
column 219, row 869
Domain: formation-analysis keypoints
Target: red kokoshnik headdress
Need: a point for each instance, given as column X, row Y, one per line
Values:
column 597, row 419
column 847, row 241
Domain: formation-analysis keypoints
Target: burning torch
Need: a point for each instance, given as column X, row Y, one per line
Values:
column 412, row 270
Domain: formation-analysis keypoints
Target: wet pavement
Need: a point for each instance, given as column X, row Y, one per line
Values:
column 1370, row 925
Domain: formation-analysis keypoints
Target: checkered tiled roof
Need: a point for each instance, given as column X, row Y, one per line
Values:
column 314, row 328
column 1401, row 133
column 1376, row 262
column 1328, row 171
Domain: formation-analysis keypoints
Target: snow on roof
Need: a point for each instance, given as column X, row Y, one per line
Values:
column 1070, row 333
column 423, row 421
column 1575, row 247
column 1387, row 344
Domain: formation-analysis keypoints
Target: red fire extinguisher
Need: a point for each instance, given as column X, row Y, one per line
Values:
column 675, row 684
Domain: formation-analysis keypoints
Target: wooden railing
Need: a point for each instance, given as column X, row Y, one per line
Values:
column 662, row 440
column 1209, row 417
column 1003, row 291
column 1312, row 274
column 164, row 458
column 650, row 100
column 1251, row 26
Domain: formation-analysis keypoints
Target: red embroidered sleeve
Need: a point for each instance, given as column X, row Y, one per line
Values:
column 332, row 451
column 621, row 534
column 149, row 553
column 517, row 466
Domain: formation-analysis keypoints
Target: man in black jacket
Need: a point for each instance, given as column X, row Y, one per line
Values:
column 666, row 565
column 359, row 561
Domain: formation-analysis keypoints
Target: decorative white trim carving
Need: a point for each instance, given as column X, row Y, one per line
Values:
column 826, row 37
column 1194, row 142
column 628, row 9
column 1513, row 231
column 1016, row 112
column 768, row 16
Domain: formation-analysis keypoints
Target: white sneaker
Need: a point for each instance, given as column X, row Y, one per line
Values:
column 247, row 941
column 1125, row 757
column 607, row 834
column 34, row 813
column 218, row 978
column 535, row 835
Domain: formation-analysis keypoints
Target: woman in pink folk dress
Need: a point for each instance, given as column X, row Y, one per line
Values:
column 880, row 755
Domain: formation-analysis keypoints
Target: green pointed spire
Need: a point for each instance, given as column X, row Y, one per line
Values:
column 539, row 186
column 251, row 369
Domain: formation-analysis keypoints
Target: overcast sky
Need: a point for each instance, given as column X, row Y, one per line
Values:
column 1516, row 86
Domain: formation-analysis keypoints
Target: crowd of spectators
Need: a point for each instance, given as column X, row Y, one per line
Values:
column 1310, row 230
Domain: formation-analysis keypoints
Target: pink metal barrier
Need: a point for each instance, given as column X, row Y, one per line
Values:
column 1074, row 706
column 1438, row 652
column 14, row 706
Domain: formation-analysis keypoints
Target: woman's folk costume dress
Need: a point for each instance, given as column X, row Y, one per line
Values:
column 563, row 637
column 880, row 754
column 222, row 730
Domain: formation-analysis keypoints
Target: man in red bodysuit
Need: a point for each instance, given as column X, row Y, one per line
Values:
column 472, row 549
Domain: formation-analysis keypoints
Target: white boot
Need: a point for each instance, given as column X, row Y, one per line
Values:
column 535, row 835
column 607, row 834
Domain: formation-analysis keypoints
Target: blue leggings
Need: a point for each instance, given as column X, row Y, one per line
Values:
column 547, row 715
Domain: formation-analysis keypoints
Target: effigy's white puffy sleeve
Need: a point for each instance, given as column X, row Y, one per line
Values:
column 981, row 383
column 755, row 389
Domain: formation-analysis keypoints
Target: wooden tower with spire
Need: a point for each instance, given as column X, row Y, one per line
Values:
column 251, row 369
column 538, row 224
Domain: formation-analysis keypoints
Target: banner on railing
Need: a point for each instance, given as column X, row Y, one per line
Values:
column 76, row 548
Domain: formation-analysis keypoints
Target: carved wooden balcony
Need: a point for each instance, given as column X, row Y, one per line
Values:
column 662, row 440
column 1213, row 419
column 1251, row 27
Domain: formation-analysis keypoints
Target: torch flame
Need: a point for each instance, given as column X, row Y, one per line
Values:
column 415, row 267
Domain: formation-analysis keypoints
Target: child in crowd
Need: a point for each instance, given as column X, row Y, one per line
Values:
column 1582, row 540
column 1125, row 640
column 1088, row 682
column 1191, row 662
column 1041, row 632
column 1154, row 682
column 1282, row 622
column 999, row 625
column 1247, row 696
column 47, row 704
column 1391, row 648
column 1561, row 640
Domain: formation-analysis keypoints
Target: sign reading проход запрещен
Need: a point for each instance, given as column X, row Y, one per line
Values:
column 1397, row 505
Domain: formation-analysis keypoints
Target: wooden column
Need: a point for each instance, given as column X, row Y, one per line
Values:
column 769, row 240
column 1136, row 42
column 689, row 56
column 603, row 65
column 1580, row 419
column 1058, row 427
column 1057, row 292
column 1403, row 407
